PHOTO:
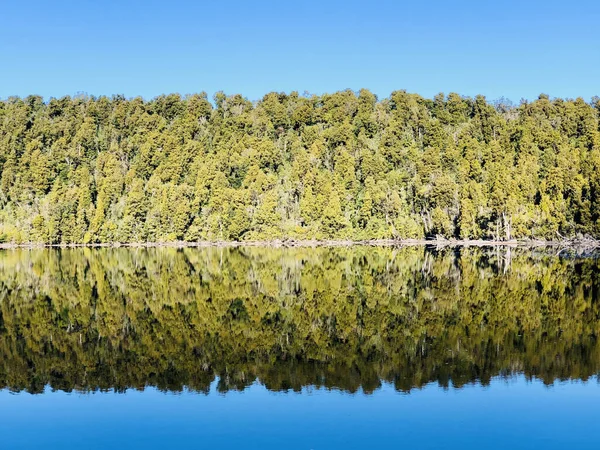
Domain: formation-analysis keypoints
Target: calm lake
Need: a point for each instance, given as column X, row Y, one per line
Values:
column 303, row 348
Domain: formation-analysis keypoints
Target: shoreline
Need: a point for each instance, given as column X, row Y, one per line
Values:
column 291, row 243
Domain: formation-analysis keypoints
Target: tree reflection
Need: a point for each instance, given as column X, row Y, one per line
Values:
column 346, row 318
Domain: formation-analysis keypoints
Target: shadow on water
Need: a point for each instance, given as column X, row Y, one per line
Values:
column 344, row 318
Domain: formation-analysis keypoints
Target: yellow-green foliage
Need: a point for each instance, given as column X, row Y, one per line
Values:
column 336, row 166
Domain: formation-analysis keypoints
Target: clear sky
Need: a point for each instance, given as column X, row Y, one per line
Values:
column 497, row 48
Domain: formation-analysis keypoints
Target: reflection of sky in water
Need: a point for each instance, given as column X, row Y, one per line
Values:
column 512, row 413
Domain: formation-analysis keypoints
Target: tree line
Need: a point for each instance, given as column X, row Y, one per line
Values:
column 345, row 165
column 347, row 318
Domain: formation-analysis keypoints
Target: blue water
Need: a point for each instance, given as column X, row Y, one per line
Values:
column 513, row 414
column 406, row 339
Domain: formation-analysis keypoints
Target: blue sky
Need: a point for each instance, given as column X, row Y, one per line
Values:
column 515, row 49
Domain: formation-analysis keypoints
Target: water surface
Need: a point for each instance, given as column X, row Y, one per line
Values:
column 298, row 348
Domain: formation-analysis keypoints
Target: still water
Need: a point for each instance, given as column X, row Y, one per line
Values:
column 360, row 347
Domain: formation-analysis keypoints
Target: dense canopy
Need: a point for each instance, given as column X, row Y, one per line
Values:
column 336, row 166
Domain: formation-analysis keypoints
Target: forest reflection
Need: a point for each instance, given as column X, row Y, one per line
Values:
column 347, row 318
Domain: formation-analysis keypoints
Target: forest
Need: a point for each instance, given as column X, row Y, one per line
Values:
column 348, row 318
column 345, row 166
